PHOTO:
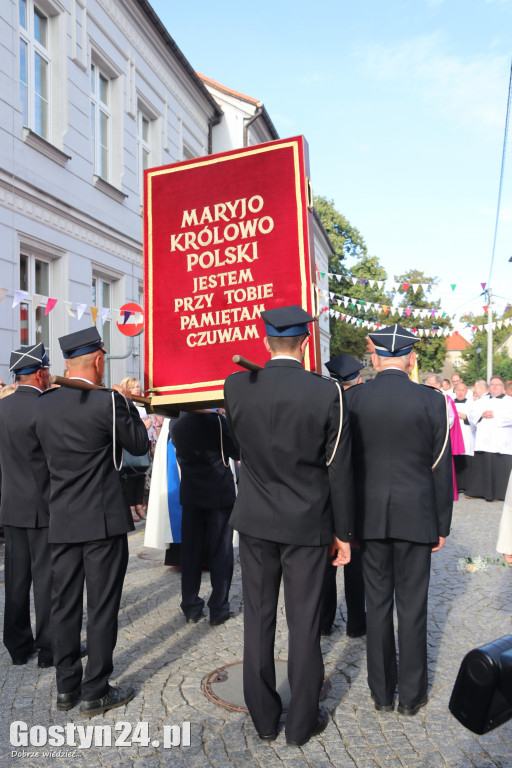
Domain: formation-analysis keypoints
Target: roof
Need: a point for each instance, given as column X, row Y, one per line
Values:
column 260, row 108
column 456, row 342
column 229, row 91
column 148, row 10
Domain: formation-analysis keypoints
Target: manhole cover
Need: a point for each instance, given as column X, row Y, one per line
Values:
column 224, row 686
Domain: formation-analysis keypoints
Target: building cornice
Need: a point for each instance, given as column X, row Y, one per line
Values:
column 27, row 200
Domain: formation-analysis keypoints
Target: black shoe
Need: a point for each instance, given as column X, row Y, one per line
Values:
column 267, row 737
column 321, row 724
column 220, row 620
column 195, row 619
column 411, row 709
column 356, row 631
column 43, row 663
column 115, row 697
column 382, row 707
column 19, row 661
column 67, row 701
column 325, row 631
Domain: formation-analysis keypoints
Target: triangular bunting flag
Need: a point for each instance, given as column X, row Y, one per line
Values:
column 405, row 286
column 18, row 297
column 3, row 293
column 94, row 314
column 483, row 286
column 105, row 312
column 70, row 312
column 126, row 314
column 354, row 280
column 415, row 287
column 50, row 305
column 380, row 283
column 338, row 278
column 36, row 299
column 80, row 309
column 453, row 286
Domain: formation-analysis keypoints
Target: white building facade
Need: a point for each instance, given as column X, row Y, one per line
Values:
column 93, row 92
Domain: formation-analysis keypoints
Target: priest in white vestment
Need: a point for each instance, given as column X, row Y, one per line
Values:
column 464, row 462
column 491, row 414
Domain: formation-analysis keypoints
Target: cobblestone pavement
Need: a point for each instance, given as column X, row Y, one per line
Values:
column 166, row 659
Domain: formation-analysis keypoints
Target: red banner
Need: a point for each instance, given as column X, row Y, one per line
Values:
column 226, row 237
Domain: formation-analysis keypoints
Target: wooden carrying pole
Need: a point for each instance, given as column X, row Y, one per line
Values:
column 244, row 363
column 62, row 381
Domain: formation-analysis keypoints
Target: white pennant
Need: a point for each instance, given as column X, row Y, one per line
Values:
column 415, row 287
column 80, row 309
column 18, row 297
column 70, row 312
column 338, row 278
column 380, row 283
column 354, row 280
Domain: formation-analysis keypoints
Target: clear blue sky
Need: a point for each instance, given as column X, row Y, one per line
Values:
column 403, row 105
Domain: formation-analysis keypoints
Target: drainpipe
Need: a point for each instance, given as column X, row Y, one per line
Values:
column 117, row 357
column 250, row 121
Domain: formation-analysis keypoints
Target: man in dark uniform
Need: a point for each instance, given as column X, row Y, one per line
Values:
column 82, row 432
column 25, row 488
column 404, row 496
column 207, row 494
column 295, row 497
column 345, row 369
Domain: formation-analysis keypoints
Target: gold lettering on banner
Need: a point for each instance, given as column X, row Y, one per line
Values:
column 211, row 241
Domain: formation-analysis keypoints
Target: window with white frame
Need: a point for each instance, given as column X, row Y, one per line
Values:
column 143, row 149
column 102, row 299
column 35, row 279
column 35, row 60
column 101, row 130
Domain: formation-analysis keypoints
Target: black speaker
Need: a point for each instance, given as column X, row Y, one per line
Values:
column 482, row 695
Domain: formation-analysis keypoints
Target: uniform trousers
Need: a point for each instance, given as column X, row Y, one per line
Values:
column 302, row 569
column 206, row 536
column 399, row 568
column 102, row 565
column 27, row 561
column 354, row 595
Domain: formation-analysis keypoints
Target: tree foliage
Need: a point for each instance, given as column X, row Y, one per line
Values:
column 349, row 243
column 475, row 366
column 431, row 350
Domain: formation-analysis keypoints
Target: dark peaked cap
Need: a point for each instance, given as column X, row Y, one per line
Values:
column 286, row 321
column 28, row 359
column 81, row 343
column 344, row 367
column 393, row 341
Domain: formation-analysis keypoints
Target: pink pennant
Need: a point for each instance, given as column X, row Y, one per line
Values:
column 405, row 286
column 483, row 286
column 408, row 311
column 50, row 305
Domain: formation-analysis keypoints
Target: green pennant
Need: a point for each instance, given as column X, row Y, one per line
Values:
column 453, row 286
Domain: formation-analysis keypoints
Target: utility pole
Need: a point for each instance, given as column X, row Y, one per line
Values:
column 489, row 335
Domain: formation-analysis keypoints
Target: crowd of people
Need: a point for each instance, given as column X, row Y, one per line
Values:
column 312, row 473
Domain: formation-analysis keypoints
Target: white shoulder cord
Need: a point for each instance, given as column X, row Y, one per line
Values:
column 446, row 436
column 117, row 468
column 226, row 463
column 328, row 463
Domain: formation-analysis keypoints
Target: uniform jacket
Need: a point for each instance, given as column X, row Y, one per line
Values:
column 492, row 435
column 75, row 428
column 24, row 476
column 205, row 482
column 286, row 422
column 398, row 431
